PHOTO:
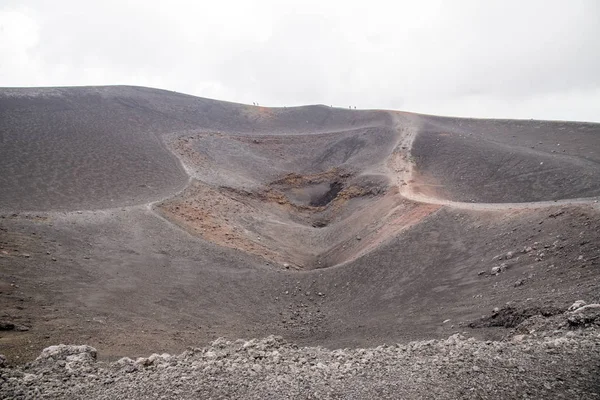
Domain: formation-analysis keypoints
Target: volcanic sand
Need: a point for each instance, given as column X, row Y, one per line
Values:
column 138, row 220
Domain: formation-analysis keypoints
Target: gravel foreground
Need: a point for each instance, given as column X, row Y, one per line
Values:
column 562, row 362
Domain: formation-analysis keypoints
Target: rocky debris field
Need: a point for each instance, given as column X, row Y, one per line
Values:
column 554, row 357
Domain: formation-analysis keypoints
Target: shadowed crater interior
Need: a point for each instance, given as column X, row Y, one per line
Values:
column 334, row 189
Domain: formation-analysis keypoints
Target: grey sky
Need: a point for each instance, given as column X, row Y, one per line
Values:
column 514, row 59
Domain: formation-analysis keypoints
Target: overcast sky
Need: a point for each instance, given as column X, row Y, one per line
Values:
column 513, row 59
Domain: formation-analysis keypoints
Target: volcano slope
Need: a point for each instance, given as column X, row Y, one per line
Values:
column 137, row 220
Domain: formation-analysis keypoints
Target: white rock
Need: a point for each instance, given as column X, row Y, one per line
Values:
column 577, row 304
column 518, row 338
column 62, row 352
column 586, row 307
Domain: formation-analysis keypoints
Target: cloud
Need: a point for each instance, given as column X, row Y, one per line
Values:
column 534, row 59
column 18, row 37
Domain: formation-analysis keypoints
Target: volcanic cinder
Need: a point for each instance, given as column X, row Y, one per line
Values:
column 137, row 220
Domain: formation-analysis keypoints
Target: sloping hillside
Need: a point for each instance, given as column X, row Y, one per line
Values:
column 138, row 221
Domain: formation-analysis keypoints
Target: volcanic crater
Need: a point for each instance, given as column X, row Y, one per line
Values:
column 139, row 220
column 302, row 220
